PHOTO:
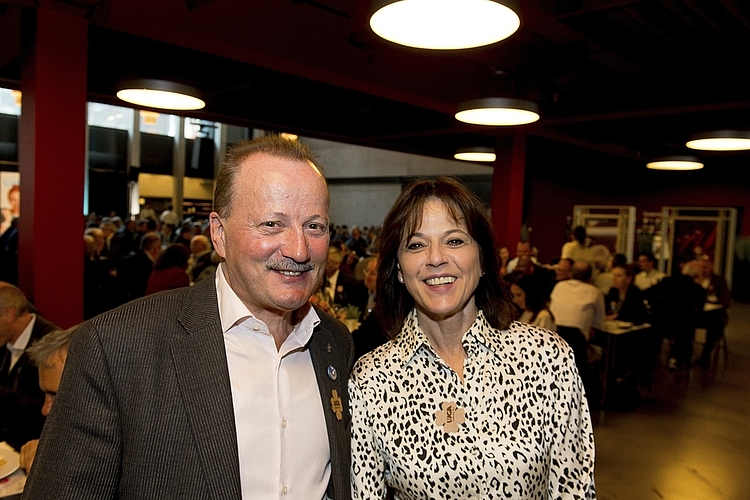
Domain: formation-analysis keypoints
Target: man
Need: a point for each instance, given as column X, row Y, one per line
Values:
column 340, row 288
column 201, row 264
column 20, row 396
column 578, row 303
column 232, row 388
column 564, row 269
column 523, row 255
column 676, row 304
column 369, row 335
column 48, row 354
column 649, row 275
column 134, row 270
column 357, row 243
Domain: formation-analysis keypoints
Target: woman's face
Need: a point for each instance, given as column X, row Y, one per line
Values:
column 620, row 278
column 519, row 296
column 439, row 264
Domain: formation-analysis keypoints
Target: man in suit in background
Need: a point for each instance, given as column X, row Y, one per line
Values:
column 342, row 289
column 232, row 388
column 21, row 399
column 134, row 270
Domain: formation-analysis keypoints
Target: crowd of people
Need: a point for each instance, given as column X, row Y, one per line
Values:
column 238, row 381
column 575, row 294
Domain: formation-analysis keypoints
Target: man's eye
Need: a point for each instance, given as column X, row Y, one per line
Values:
column 317, row 228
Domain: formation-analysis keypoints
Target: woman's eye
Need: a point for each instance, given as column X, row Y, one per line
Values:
column 414, row 246
column 455, row 242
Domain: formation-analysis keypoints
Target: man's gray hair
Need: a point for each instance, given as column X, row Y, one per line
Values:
column 42, row 351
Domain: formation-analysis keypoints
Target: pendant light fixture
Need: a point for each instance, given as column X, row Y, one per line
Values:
column 444, row 24
column 160, row 94
column 475, row 154
column 720, row 140
column 497, row 111
column 675, row 163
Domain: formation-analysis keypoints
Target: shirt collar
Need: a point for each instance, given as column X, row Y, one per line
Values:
column 232, row 311
column 479, row 336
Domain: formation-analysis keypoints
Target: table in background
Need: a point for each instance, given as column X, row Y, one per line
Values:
column 615, row 331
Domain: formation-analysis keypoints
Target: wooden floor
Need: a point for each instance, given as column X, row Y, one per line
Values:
column 690, row 439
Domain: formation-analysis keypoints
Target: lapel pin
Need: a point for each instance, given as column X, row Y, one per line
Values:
column 336, row 405
column 332, row 373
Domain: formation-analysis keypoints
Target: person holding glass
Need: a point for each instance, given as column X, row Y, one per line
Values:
column 625, row 301
column 462, row 402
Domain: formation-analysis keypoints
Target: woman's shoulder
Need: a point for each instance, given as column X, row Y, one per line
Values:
column 522, row 337
column 381, row 360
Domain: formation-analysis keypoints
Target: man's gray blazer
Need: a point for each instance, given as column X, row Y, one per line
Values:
column 145, row 410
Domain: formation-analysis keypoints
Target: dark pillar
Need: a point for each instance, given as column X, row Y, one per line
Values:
column 508, row 181
column 52, row 146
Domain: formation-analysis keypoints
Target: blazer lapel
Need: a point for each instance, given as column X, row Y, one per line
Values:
column 331, row 373
column 203, row 375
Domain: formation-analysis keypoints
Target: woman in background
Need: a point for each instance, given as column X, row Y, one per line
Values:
column 625, row 301
column 529, row 299
column 462, row 403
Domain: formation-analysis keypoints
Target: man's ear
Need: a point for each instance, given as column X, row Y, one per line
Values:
column 217, row 234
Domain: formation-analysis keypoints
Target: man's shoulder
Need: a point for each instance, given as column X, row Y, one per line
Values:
column 185, row 304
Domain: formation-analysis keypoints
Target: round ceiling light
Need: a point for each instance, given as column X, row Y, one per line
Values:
column 475, row 154
column 675, row 163
column 160, row 94
column 720, row 140
column 498, row 111
column 444, row 24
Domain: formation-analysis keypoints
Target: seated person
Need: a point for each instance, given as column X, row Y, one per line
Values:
column 20, row 397
column 48, row 354
column 529, row 298
column 625, row 301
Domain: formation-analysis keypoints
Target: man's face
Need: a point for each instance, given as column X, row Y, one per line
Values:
column 7, row 333
column 275, row 241
column 49, row 379
column 644, row 264
column 523, row 250
column 334, row 261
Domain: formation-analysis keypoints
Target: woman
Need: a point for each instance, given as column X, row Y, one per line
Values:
column 462, row 403
column 170, row 269
column 529, row 299
column 625, row 301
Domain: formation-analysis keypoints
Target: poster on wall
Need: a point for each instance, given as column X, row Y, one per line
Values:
column 10, row 198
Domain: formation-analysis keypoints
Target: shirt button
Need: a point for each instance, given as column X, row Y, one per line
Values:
column 283, row 423
column 284, row 490
column 256, row 327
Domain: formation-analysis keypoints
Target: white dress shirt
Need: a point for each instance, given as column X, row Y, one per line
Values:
column 578, row 304
column 281, row 429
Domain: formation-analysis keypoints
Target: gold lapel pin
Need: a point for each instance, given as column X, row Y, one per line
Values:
column 337, row 405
